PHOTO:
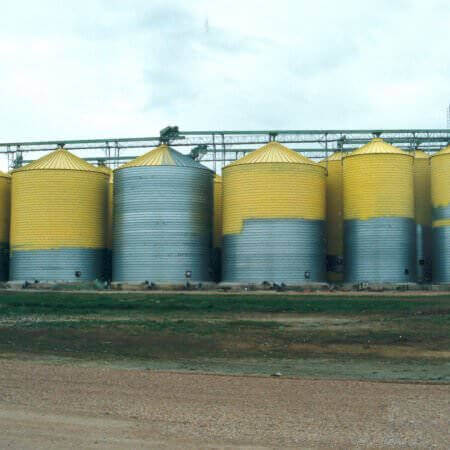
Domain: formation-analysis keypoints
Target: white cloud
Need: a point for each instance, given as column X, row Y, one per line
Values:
column 114, row 68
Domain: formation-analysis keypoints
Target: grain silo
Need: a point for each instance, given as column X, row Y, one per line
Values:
column 422, row 196
column 440, row 200
column 274, row 218
column 217, row 227
column 163, row 208
column 109, row 221
column 335, row 219
column 379, row 225
column 58, row 217
column 5, row 201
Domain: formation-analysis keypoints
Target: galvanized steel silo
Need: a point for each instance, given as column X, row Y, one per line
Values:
column 274, row 218
column 163, row 209
column 58, row 219
column 5, row 201
column 422, row 196
column 440, row 199
column 217, row 227
column 335, row 219
column 379, row 225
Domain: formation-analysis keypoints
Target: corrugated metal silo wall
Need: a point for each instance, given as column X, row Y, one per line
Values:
column 335, row 221
column 58, row 225
column 217, row 228
column 379, row 225
column 162, row 224
column 440, row 195
column 5, row 200
column 109, row 227
column 422, row 186
column 274, row 223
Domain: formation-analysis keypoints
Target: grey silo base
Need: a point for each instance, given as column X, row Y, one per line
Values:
column 441, row 255
column 441, row 246
column 217, row 264
column 335, row 264
column 108, row 264
column 335, row 267
column 380, row 250
column 162, row 224
column 289, row 251
column 57, row 264
column 4, row 262
column 424, row 251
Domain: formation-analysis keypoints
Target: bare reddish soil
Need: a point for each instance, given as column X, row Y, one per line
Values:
column 67, row 406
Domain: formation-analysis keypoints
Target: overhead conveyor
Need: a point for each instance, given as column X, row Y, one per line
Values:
column 219, row 147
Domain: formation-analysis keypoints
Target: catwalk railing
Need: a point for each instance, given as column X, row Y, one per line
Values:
column 218, row 148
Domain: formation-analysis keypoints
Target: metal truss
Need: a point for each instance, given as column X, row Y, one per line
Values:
column 217, row 148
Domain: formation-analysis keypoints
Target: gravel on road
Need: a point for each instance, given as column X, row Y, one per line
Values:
column 67, row 406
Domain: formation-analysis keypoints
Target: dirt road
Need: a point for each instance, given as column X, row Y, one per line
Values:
column 64, row 406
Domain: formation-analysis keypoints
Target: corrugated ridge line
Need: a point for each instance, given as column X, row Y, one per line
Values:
column 377, row 146
column 60, row 159
column 336, row 156
column 163, row 155
column 444, row 151
column 273, row 152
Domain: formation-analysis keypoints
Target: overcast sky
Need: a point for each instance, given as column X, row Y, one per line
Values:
column 105, row 68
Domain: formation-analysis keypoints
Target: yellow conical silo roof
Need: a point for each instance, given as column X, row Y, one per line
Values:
column 273, row 152
column 377, row 146
column 163, row 155
column 108, row 171
column 60, row 159
column 105, row 169
column 444, row 151
column 336, row 156
column 419, row 154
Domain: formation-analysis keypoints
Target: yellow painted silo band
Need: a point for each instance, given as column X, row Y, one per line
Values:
column 75, row 219
column 372, row 191
column 422, row 187
column 441, row 223
column 5, row 199
column 271, row 191
column 440, row 199
column 440, row 173
column 334, row 204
